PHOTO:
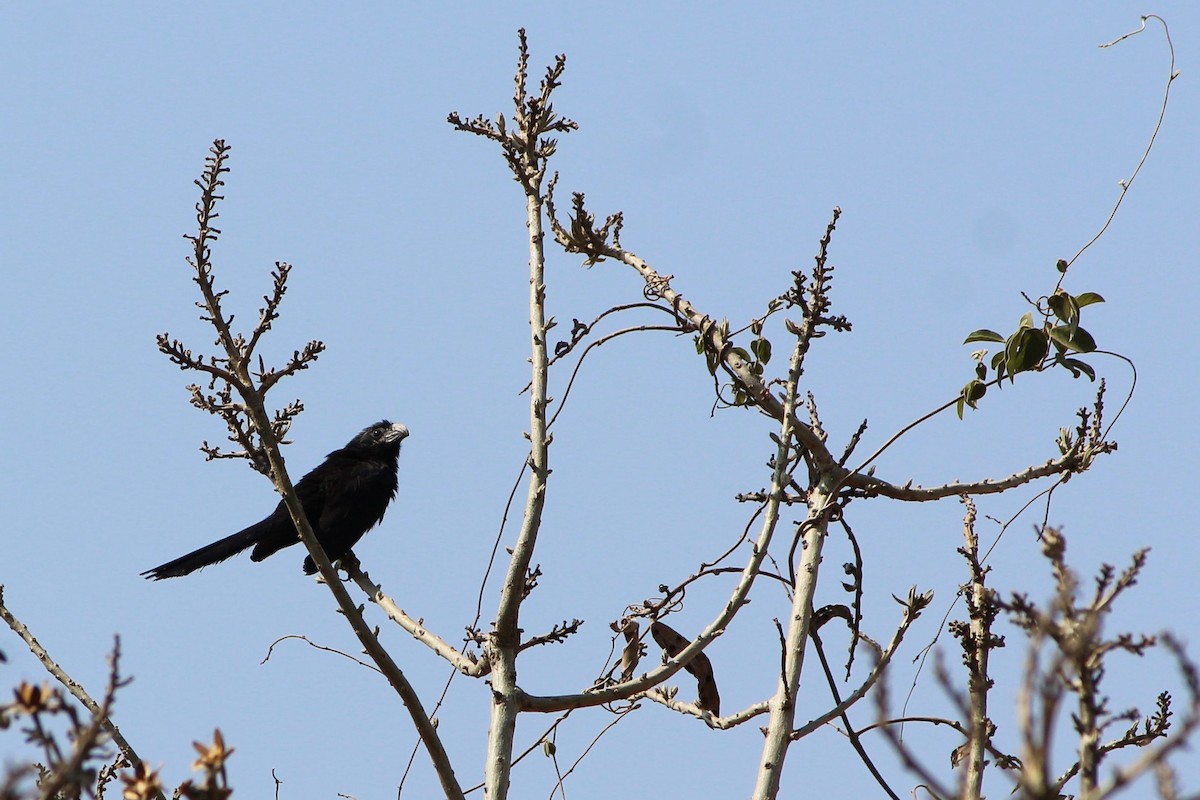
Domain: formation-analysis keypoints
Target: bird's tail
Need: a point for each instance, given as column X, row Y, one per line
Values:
column 209, row 554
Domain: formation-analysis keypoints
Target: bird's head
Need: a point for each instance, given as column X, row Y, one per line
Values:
column 382, row 434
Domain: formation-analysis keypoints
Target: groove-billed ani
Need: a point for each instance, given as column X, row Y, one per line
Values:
column 343, row 498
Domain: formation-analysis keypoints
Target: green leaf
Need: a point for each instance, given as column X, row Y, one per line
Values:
column 1062, row 265
column 1025, row 350
column 1065, row 307
column 1087, row 298
column 973, row 391
column 1083, row 341
column 764, row 351
column 1058, row 304
column 983, row 335
column 959, row 406
column 742, row 354
column 1026, row 320
column 1076, row 366
column 699, row 344
column 1010, row 352
column 1078, row 339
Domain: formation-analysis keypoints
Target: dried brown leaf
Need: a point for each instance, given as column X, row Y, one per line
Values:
column 700, row 667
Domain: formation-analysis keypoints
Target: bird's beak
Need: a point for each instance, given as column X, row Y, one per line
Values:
column 397, row 433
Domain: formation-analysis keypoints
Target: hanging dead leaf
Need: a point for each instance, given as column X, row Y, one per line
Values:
column 826, row 613
column 633, row 650
column 700, row 667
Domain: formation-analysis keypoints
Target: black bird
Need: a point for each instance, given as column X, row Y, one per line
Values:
column 343, row 498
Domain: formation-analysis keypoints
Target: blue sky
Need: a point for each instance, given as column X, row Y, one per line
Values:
column 968, row 147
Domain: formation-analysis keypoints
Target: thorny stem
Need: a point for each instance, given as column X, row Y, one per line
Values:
column 783, row 703
column 1088, row 727
column 504, row 643
column 977, row 646
column 206, row 213
column 526, row 149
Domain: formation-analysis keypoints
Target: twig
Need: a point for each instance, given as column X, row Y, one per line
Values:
column 314, row 645
column 1172, row 74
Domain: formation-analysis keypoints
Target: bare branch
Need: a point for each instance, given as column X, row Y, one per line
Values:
column 462, row 662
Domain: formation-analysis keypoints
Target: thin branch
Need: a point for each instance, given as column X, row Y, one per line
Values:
column 913, row 605
column 663, row 697
column 595, row 344
column 620, row 716
column 462, row 662
column 533, row 746
column 315, row 646
column 851, row 733
column 1172, row 74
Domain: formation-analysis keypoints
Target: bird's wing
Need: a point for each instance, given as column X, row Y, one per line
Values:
column 355, row 505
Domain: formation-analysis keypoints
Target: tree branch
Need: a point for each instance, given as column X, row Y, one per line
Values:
column 463, row 662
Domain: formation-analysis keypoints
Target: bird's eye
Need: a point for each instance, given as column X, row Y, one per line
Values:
column 375, row 434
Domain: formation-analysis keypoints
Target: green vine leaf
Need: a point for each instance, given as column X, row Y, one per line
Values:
column 971, row 393
column 1078, row 368
column 983, row 335
column 1063, row 306
column 1025, row 350
column 762, row 349
column 1076, row 339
